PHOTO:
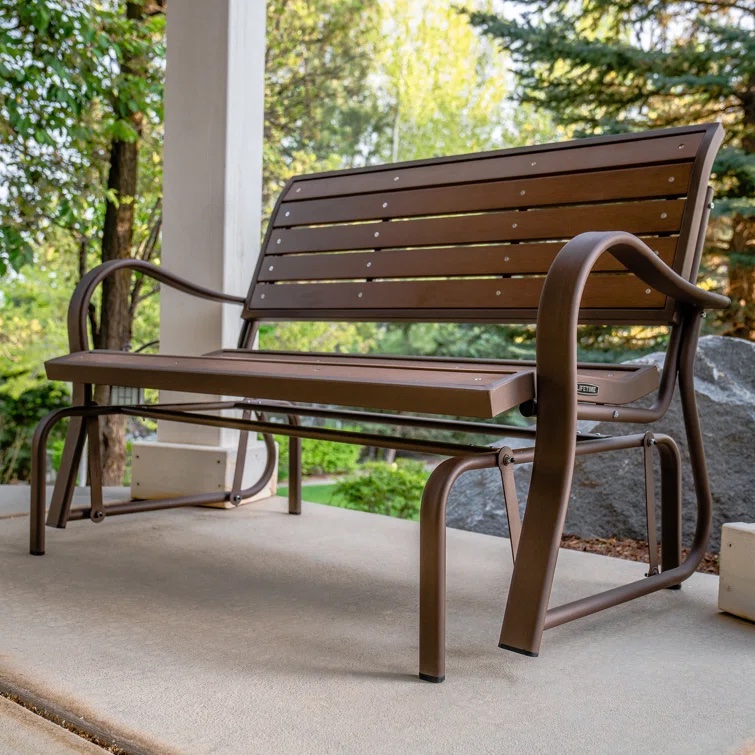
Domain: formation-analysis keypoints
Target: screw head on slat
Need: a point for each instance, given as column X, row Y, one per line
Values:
column 369, row 264
column 298, row 190
column 533, row 163
column 506, row 259
column 671, row 179
column 664, row 215
column 385, row 204
column 497, row 293
column 376, row 234
column 395, row 178
column 278, row 241
column 262, row 296
column 360, row 294
column 522, row 193
column 647, row 290
column 271, row 268
column 287, row 213
column 681, row 146
column 514, row 225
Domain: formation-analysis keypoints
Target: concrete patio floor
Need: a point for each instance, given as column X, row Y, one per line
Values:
column 251, row 631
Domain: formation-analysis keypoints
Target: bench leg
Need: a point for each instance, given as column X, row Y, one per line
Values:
column 294, row 475
column 65, row 480
column 535, row 565
column 671, row 507
column 432, row 563
column 74, row 442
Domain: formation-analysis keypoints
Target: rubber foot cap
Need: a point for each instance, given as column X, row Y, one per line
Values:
column 528, row 653
column 674, row 587
column 295, row 513
column 37, row 553
column 433, row 679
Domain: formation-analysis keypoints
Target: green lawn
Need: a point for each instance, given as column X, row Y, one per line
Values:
column 315, row 493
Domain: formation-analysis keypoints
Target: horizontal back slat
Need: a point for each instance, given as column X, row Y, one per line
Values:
column 551, row 223
column 494, row 166
column 632, row 183
column 470, row 237
column 601, row 292
column 509, row 259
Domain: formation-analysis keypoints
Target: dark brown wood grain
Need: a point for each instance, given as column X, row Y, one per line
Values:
column 606, row 291
column 667, row 180
column 510, row 259
column 646, row 217
column 570, row 157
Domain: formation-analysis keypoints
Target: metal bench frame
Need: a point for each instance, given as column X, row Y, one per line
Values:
column 534, row 541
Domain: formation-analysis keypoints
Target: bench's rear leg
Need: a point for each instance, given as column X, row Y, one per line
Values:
column 294, row 475
column 695, row 446
column 671, row 507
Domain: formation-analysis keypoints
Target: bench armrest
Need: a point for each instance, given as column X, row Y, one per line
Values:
column 78, row 307
column 558, row 311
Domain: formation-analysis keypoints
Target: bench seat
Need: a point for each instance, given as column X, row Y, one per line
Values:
column 468, row 388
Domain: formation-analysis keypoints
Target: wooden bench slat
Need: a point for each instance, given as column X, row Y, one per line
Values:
column 570, row 158
column 470, row 394
column 667, row 180
column 602, row 292
column 513, row 259
column 615, row 384
column 540, row 224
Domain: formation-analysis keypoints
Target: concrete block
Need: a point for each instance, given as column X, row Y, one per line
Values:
column 161, row 470
column 736, row 593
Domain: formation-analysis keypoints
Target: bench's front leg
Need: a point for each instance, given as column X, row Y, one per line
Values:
column 65, row 480
column 535, row 565
column 432, row 565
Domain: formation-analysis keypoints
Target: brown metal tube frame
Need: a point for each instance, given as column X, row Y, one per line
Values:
column 433, row 542
column 555, row 449
column 86, row 415
column 526, row 613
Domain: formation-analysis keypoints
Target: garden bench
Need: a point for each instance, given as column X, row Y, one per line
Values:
column 604, row 231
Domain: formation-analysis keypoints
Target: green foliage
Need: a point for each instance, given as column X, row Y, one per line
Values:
column 64, row 95
column 599, row 66
column 317, row 98
column 441, row 89
column 18, row 417
column 390, row 489
column 319, row 457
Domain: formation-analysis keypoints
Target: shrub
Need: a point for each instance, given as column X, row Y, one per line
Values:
column 18, row 418
column 390, row 489
column 319, row 457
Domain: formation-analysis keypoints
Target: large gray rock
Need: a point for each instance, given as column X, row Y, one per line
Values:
column 608, row 492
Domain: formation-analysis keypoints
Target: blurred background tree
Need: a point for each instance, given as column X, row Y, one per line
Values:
column 348, row 83
column 601, row 66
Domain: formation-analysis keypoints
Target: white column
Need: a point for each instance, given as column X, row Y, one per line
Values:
column 212, row 187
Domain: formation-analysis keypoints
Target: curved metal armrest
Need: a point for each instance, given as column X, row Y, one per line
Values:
column 575, row 261
column 558, row 312
column 558, row 316
column 82, row 295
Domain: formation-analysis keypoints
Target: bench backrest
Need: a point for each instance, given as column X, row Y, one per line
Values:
column 469, row 238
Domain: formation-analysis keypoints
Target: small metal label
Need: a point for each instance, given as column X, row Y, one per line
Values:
column 587, row 389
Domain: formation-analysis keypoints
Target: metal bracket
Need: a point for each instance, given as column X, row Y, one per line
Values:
column 647, row 449
column 506, row 463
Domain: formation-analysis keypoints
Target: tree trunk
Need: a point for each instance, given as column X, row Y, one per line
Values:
column 741, row 319
column 115, row 323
